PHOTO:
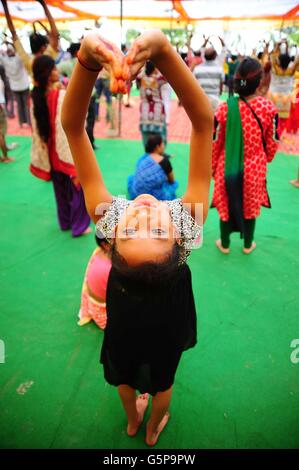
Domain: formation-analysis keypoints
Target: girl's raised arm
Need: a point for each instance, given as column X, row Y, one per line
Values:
column 95, row 53
column 155, row 46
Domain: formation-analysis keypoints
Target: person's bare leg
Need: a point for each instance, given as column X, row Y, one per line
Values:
column 159, row 416
column 3, row 147
column 134, row 407
column 295, row 182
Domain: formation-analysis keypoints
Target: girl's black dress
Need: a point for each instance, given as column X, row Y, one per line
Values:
column 147, row 331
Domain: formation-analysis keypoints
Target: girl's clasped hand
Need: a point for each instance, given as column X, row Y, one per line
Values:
column 97, row 52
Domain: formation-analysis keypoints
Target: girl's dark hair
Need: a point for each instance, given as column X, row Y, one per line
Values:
column 284, row 60
column 152, row 142
column 101, row 240
column 248, row 76
column 42, row 67
column 149, row 67
column 37, row 41
column 210, row 54
column 148, row 273
column 73, row 49
column 184, row 56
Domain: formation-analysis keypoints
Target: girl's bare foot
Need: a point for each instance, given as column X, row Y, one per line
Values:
column 6, row 159
column 141, row 405
column 152, row 439
column 295, row 183
column 247, row 251
column 220, row 247
column 87, row 231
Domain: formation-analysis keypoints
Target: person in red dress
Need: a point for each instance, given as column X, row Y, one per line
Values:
column 245, row 140
column 51, row 159
column 293, row 121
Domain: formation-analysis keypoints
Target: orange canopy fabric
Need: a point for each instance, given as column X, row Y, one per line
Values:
column 188, row 11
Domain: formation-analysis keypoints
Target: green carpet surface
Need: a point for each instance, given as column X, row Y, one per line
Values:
column 236, row 389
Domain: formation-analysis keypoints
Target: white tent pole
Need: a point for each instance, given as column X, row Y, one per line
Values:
column 120, row 95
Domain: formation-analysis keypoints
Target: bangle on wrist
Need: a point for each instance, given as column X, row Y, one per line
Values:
column 85, row 66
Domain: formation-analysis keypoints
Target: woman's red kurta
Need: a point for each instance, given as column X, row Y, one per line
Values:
column 255, row 159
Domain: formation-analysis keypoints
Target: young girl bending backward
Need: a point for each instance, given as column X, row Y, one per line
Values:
column 151, row 316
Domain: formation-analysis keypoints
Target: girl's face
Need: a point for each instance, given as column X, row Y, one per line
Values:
column 145, row 232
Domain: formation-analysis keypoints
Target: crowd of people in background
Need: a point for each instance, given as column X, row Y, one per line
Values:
column 214, row 71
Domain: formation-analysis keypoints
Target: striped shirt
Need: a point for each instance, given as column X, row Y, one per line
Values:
column 210, row 76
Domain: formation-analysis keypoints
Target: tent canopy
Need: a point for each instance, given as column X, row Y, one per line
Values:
column 188, row 11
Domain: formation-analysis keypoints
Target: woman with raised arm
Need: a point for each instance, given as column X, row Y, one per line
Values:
column 40, row 44
column 151, row 316
column 282, row 82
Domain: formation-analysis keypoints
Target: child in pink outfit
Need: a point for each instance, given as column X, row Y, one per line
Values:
column 93, row 296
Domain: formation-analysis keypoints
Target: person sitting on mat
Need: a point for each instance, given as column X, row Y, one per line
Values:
column 154, row 173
